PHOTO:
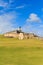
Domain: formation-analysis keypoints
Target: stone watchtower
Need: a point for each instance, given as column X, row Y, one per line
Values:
column 19, row 29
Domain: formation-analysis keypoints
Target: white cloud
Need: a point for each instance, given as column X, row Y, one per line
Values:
column 10, row 1
column 41, row 26
column 42, row 9
column 33, row 18
column 6, row 22
column 6, row 5
column 3, row 4
column 19, row 7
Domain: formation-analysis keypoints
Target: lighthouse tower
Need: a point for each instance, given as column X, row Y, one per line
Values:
column 19, row 29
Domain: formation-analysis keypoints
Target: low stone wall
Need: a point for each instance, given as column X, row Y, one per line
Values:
column 21, row 36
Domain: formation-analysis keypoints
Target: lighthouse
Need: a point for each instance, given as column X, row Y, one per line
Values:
column 19, row 29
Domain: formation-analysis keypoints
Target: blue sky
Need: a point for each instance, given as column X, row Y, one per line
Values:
column 25, row 13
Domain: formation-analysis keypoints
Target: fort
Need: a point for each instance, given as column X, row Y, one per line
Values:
column 20, row 35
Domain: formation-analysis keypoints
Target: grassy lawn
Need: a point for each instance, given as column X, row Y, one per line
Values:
column 21, row 52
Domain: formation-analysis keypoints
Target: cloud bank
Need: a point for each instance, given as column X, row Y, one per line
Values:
column 7, row 17
column 6, row 22
column 19, row 7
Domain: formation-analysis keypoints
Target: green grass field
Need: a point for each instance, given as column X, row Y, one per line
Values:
column 21, row 52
